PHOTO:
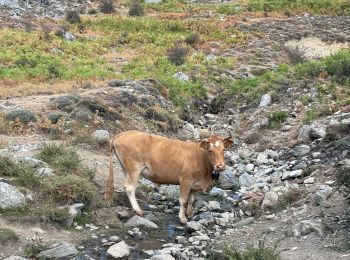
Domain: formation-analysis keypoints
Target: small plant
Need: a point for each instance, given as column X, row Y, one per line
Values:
column 177, row 54
column 52, row 214
column 276, row 118
column 33, row 248
column 92, row 11
column 287, row 199
column 252, row 137
column 24, row 116
column 307, row 172
column 107, row 6
column 72, row 189
column 66, row 102
column 24, row 61
column 343, row 176
column 251, row 252
column 311, row 115
column 73, row 17
column 54, row 71
column 7, row 235
column 64, row 160
column 136, row 8
column 54, row 117
column 192, row 39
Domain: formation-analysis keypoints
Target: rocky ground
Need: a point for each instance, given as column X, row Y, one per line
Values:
column 281, row 185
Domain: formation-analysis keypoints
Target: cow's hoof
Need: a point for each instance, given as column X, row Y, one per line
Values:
column 183, row 221
column 139, row 213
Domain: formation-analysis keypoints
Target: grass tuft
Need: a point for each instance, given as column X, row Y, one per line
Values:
column 7, row 235
column 22, row 115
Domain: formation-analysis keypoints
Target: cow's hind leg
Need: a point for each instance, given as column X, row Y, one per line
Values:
column 184, row 192
column 130, row 188
column 191, row 199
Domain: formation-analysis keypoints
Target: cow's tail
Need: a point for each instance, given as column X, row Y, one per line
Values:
column 110, row 179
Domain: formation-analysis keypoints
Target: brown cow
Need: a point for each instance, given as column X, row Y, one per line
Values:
column 167, row 161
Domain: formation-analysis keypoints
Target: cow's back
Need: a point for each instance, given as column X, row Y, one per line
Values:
column 166, row 159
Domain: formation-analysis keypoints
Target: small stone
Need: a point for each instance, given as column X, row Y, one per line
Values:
column 181, row 76
column 69, row 36
column 322, row 193
column 246, row 180
column 162, row 257
column 218, row 192
column 270, row 200
column 310, row 180
column 114, row 238
column 249, row 167
column 10, row 197
column 262, row 159
column 180, row 239
column 44, row 172
column 265, row 100
column 119, row 250
column 193, row 226
column 317, row 131
column 101, row 135
column 214, row 205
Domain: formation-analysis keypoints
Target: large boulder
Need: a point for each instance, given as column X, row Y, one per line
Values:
column 119, row 250
column 64, row 250
column 10, row 197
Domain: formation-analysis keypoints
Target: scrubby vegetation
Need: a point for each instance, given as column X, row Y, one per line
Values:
column 7, row 236
column 259, row 252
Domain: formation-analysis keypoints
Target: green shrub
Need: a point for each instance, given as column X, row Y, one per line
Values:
column 73, row 17
column 107, row 6
column 192, row 39
column 24, row 176
column 25, row 61
column 33, row 248
column 276, row 118
column 251, row 252
column 63, row 159
column 54, row 117
column 71, row 189
column 24, row 116
column 177, row 54
column 343, row 176
column 52, row 214
column 136, row 8
column 92, row 11
column 66, row 102
column 7, row 235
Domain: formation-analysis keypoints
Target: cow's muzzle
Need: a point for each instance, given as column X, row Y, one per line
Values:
column 220, row 167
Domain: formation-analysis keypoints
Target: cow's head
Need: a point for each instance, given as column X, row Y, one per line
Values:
column 215, row 146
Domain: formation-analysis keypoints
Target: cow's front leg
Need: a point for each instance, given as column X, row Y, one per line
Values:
column 184, row 192
column 191, row 200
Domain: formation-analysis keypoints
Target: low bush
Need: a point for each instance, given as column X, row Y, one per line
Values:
column 192, row 39
column 136, row 8
column 177, row 55
column 276, row 118
column 251, row 252
column 71, row 189
column 107, row 6
column 7, row 235
column 22, row 115
column 66, row 102
column 343, row 176
column 73, row 17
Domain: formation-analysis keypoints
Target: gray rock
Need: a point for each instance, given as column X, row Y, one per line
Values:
column 300, row 150
column 119, row 250
column 10, row 197
column 305, row 227
column 317, row 131
column 44, row 172
column 218, row 192
column 262, row 159
column 193, row 226
column 265, row 100
column 101, row 135
column 9, row 3
column 162, row 257
column 170, row 191
column 181, row 76
column 322, row 193
column 246, row 180
column 227, row 180
column 15, row 257
column 117, row 83
column 114, row 238
column 137, row 221
column 249, row 167
column 303, row 133
column 214, row 205
column 243, row 222
column 30, row 161
column 210, row 117
column 180, row 239
column 60, row 251
column 291, row 175
column 270, row 200
column 69, row 36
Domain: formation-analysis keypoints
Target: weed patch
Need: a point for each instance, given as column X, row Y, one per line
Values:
column 21, row 115
column 7, row 235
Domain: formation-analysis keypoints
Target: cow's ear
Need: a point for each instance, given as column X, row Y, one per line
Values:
column 204, row 144
column 228, row 143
